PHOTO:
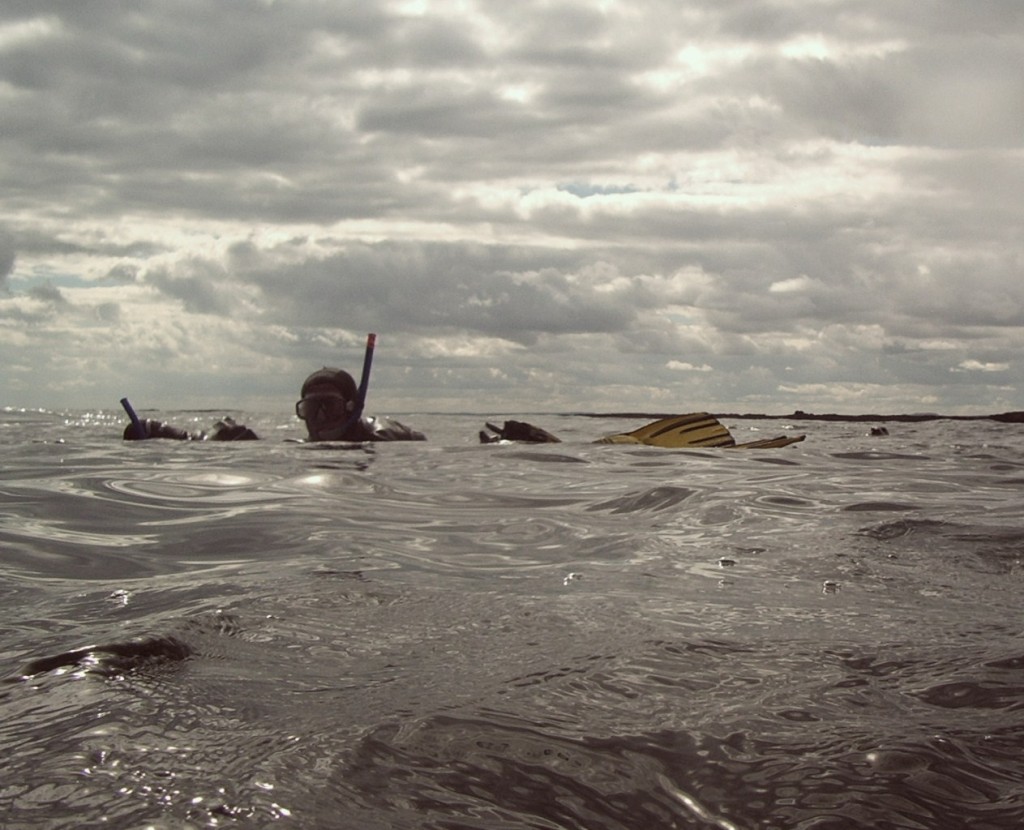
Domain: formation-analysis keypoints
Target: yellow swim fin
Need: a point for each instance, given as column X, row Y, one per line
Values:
column 698, row 429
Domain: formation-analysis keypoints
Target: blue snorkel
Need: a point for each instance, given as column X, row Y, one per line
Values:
column 364, row 382
column 140, row 428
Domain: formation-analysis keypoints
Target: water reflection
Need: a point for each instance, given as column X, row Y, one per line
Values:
column 458, row 636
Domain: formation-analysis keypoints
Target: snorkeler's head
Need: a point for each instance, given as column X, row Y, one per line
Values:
column 328, row 398
column 333, row 379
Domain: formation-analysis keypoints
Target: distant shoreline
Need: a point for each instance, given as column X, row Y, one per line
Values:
column 1016, row 417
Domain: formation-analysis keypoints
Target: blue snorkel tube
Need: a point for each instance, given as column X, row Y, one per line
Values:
column 364, row 382
column 140, row 428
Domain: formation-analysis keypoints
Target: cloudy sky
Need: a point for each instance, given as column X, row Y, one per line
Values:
column 538, row 205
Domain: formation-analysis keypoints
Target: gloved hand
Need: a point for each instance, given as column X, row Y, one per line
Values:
column 227, row 430
column 517, row 431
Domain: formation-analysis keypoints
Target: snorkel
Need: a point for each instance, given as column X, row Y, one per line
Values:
column 137, row 425
column 364, row 382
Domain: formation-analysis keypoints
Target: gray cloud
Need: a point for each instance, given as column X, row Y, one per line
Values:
column 510, row 293
column 48, row 294
column 202, row 287
column 6, row 260
column 817, row 203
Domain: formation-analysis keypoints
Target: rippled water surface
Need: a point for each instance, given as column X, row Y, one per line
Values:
column 448, row 635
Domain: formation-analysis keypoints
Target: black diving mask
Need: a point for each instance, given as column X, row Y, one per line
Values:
column 323, row 407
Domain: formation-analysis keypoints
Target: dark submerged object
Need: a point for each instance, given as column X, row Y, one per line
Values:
column 112, row 658
column 517, row 431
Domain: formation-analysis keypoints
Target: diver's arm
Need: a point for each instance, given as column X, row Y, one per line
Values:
column 387, row 430
column 224, row 430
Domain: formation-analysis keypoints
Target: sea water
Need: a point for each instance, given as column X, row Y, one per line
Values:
column 450, row 635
